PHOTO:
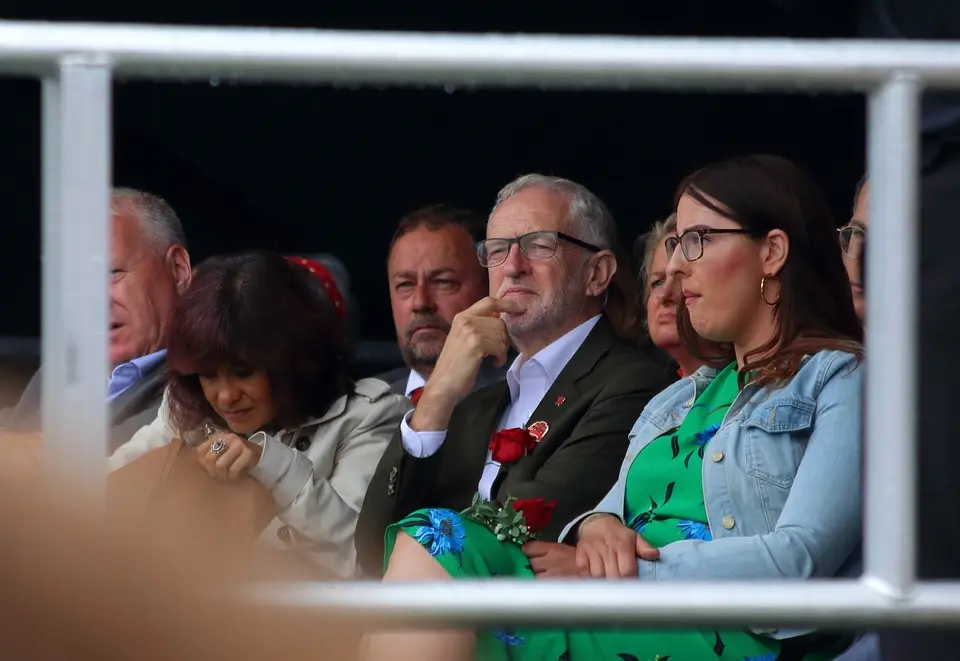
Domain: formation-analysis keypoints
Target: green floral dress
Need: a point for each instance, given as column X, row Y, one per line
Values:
column 664, row 501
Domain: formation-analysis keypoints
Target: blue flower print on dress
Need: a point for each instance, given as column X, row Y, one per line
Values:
column 508, row 637
column 441, row 531
column 700, row 439
column 769, row 656
column 695, row 530
column 703, row 437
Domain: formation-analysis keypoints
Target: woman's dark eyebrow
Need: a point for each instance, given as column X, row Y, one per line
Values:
column 698, row 226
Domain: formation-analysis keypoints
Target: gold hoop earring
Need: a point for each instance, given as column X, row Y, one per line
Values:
column 763, row 297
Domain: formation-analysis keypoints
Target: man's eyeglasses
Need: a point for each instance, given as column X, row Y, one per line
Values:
column 691, row 241
column 535, row 245
column 852, row 240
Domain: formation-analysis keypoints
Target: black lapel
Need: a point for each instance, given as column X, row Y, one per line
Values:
column 487, row 407
column 563, row 394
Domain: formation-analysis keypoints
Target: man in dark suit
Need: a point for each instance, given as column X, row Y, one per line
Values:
column 433, row 273
column 149, row 268
column 577, row 388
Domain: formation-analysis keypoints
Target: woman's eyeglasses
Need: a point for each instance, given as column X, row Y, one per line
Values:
column 691, row 241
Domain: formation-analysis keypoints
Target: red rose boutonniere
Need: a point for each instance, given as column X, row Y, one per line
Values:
column 509, row 445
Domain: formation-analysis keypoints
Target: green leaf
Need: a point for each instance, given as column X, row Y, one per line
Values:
column 669, row 493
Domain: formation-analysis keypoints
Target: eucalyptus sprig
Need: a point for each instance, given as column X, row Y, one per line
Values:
column 502, row 520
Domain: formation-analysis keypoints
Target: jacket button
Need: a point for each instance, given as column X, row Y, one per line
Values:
column 302, row 444
column 728, row 523
column 283, row 534
column 717, row 456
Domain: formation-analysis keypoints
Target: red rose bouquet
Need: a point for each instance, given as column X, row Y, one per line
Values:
column 517, row 521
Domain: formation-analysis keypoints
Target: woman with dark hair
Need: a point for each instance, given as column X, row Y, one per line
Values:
column 258, row 383
column 748, row 470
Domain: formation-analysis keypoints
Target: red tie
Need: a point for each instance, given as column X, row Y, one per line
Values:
column 415, row 395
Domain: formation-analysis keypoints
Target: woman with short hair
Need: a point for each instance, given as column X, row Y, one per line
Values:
column 258, row 384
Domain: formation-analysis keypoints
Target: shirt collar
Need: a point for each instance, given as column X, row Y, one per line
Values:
column 553, row 357
column 414, row 381
column 144, row 363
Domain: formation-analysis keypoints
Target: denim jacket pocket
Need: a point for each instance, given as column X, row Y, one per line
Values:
column 775, row 438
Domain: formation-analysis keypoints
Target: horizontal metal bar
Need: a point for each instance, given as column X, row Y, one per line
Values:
column 259, row 54
column 828, row 604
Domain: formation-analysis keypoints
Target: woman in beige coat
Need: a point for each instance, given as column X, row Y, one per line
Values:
column 259, row 386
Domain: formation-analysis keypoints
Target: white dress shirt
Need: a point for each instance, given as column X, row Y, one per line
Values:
column 414, row 381
column 528, row 381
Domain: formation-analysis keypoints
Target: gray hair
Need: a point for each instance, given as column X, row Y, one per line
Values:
column 157, row 218
column 587, row 215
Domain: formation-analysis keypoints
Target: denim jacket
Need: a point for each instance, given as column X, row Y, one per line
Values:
column 781, row 478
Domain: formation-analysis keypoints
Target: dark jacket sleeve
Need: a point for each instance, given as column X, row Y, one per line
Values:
column 400, row 485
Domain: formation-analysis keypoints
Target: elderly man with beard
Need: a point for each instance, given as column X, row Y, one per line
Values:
column 563, row 296
column 434, row 274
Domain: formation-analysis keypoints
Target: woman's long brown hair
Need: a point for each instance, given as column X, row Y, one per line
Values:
column 814, row 311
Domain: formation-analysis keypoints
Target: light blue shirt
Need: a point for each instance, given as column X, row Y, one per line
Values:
column 129, row 373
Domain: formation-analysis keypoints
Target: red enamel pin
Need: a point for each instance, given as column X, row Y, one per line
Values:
column 561, row 400
column 538, row 430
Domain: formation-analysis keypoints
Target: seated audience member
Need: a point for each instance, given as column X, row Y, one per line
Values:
column 433, row 274
column 853, row 241
column 149, row 269
column 258, row 384
column 758, row 479
column 661, row 295
column 557, row 427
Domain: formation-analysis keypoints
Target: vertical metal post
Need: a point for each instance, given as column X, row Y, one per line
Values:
column 76, row 182
column 892, row 273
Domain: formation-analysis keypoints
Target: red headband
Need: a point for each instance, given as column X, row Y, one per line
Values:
column 321, row 273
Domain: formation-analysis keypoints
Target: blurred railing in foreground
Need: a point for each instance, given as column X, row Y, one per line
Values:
column 78, row 64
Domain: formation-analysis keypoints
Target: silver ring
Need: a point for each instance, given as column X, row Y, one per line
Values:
column 218, row 446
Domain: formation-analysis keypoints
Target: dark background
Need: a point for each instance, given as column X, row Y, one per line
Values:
column 315, row 169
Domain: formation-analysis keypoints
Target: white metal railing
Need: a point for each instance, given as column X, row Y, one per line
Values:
column 78, row 62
